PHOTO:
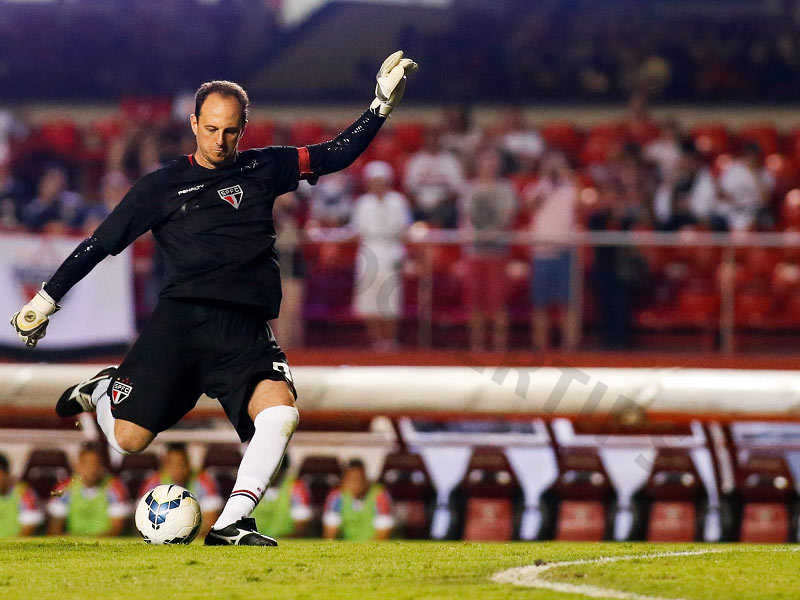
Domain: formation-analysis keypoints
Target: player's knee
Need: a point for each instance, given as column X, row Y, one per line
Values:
column 132, row 439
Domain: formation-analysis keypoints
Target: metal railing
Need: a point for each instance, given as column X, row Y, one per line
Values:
column 727, row 243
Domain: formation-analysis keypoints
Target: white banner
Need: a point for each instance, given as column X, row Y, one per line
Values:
column 97, row 311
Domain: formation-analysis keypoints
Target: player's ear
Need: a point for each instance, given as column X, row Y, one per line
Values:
column 193, row 123
column 241, row 131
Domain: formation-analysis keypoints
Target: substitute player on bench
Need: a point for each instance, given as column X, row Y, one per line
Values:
column 211, row 215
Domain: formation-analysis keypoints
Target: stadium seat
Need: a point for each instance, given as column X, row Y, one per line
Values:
column 44, row 469
column 409, row 137
column 562, row 136
column 62, row 136
column 135, row 469
column 222, row 463
column 257, row 134
column 784, row 170
column 406, row 479
column 671, row 501
column 321, row 474
column 790, row 209
column 303, row 133
column 765, row 488
column 584, row 496
column 711, row 139
column 490, row 491
column 763, row 134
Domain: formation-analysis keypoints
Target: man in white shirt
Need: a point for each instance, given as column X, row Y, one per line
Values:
column 381, row 218
column 744, row 187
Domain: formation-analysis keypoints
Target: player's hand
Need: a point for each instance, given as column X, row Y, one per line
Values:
column 31, row 321
column 391, row 83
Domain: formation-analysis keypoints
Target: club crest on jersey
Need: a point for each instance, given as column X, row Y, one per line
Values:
column 120, row 391
column 232, row 195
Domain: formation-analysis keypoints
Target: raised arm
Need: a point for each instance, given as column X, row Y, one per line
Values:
column 339, row 153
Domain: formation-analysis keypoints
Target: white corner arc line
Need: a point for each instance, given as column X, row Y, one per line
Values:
column 529, row 576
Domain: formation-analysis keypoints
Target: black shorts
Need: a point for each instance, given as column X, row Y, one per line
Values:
column 187, row 349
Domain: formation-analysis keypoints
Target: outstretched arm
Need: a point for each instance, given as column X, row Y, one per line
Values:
column 138, row 211
column 339, row 153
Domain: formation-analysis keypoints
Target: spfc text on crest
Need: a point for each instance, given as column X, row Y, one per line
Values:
column 232, row 195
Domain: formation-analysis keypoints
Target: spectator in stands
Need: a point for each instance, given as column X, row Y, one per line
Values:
column 665, row 151
column 91, row 502
column 55, row 208
column 459, row 135
column 289, row 326
column 20, row 513
column 617, row 271
column 380, row 219
column 487, row 212
column 357, row 510
column 518, row 139
column 330, row 202
column 434, row 180
column 689, row 197
column 745, row 187
column 552, row 201
column 285, row 509
column 176, row 469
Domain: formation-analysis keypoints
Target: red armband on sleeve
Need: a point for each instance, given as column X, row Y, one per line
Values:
column 304, row 162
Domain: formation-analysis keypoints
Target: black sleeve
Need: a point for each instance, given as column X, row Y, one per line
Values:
column 340, row 153
column 77, row 265
column 140, row 210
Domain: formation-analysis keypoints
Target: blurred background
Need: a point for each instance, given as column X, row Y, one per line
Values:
column 576, row 185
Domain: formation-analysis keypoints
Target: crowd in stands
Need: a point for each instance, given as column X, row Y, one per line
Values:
column 509, row 176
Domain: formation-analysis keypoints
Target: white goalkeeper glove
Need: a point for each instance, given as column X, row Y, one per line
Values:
column 31, row 321
column 391, row 83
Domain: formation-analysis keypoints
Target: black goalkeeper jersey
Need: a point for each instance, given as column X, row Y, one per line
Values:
column 213, row 226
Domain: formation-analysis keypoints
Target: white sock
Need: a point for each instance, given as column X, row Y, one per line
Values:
column 104, row 417
column 274, row 428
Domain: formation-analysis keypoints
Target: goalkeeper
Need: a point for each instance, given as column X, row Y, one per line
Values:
column 211, row 215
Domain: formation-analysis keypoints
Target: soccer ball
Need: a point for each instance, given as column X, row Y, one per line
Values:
column 168, row 514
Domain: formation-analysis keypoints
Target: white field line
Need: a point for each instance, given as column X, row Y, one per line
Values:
column 530, row 576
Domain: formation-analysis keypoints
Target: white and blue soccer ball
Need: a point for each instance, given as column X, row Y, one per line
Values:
column 168, row 514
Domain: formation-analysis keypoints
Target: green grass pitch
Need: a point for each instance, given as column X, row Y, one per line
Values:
column 129, row 569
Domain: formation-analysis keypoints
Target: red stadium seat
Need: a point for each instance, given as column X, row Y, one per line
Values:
column 765, row 523
column 672, row 522
column 784, row 170
column 790, row 209
column 321, row 474
column 711, row 139
column 44, row 469
column 406, row 479
column 766, row 490
column 584, row 495
column 672, row 498
column 60, row 136
column 763, row 134
column 303, row 133
column 490, row 490
column 409, row 137
column 581, row 521
column 562, row 136
column 257, row 134
column 222, row 463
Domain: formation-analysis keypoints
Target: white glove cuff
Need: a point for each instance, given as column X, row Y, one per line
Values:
column 42, row 303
